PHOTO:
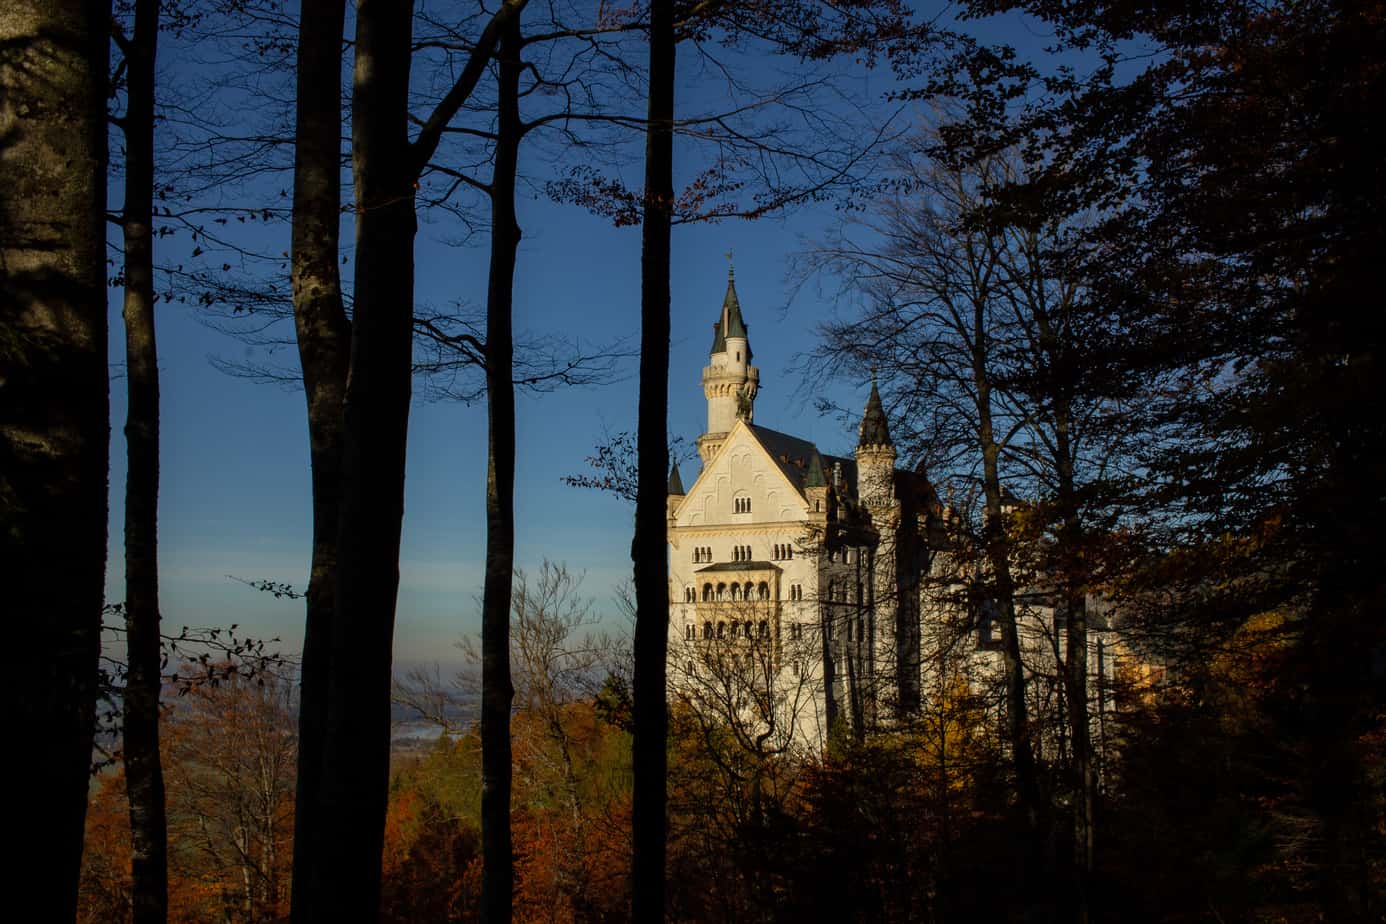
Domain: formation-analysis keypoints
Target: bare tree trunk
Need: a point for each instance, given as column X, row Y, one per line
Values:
column 356, row 745
column 651, row 718
column 831, row 708
column 1076, row 665
column 324, row 346
column 497, row 692
column 54, row 416
column 998, row 551
column 143, row 769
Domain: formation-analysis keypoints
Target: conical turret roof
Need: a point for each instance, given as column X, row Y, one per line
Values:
column 733, row 323
column 719, row 343
column 730, row 323
column 875, row 430
column 814, row 477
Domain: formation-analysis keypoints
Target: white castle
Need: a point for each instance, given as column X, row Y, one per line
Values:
column 807, row 595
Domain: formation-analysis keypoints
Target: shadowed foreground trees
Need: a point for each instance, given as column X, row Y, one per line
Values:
column 54, row 413
column 1234, row 182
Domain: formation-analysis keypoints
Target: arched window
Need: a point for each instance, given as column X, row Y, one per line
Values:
column 721, row 630
column 789, row 552
column 735, row 628
column 691, row 671
column 690, row 632
column 747, row 591
column 707, row 630
column 763, row 591
column 707, row 593
column 746, row 629
column 736, row 592
column 764, row 629
column 721, row 591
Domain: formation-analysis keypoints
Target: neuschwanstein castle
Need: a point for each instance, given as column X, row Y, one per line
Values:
column 805, row 594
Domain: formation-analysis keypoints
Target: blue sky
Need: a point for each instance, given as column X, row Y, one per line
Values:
column 235, row 482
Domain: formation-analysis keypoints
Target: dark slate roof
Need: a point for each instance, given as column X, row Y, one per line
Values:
column 675, row 482
column 731, row 309
column 719, row 343
column 874, row 430
column 801, row 461
column 740, row 566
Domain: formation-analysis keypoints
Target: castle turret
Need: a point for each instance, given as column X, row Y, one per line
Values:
column 729, row 380
column 676, row 491
column 875, row 454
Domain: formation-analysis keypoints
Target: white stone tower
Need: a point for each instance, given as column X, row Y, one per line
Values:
column 729, row 379
column 875, row 454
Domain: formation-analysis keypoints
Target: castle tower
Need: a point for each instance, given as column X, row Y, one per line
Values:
column 729, row 379
column 875, row 454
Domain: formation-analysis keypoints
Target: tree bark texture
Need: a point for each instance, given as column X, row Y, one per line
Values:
column 1074, row 578
column 324, row 346
column 375, row 414
column 497, row 692
column 651, row 719
column 143, row 768
column 998, row 552
column 54, row 416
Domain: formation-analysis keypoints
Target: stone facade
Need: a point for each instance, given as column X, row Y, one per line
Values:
column 795, row 576
column 813, row 595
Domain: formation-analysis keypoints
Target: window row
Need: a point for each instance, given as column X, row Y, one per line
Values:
column 781, row 552
column 738, row 630
column 733, row 592
column 796, row 592
column 741, row 504
column 838, row 592
column 741, row 553
column 846, row 556
column 702, row 554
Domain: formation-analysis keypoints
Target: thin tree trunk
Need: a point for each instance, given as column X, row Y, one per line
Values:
column 324, row 346
column 356, row 744
column 54, row 417
column 651, row 719
column 1076, row 667
column 1057, row 384
column 998, row 551
column 497, row 692
column 143, row 769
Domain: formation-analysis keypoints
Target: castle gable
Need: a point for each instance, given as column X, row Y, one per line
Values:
column 745, row 482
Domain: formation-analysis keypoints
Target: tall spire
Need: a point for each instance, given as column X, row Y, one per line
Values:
column 874, row 430
column 675, row 481
column 732, row 323
column 729, row 378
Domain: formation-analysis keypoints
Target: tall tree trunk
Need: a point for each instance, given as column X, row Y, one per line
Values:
column 651, row 719
column 375, row 414
column 497, row 884
column 54, row 416
column 998, row 552
column 324, row 349
column 1074, row 583
column 143, row 770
